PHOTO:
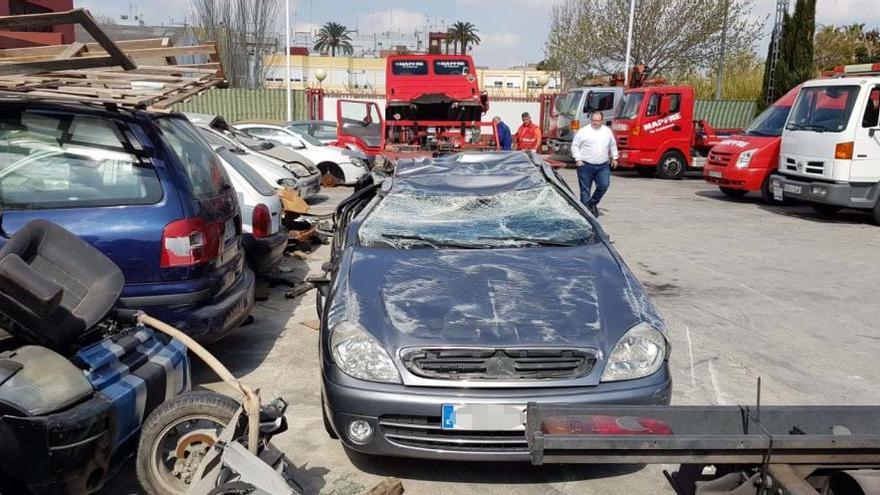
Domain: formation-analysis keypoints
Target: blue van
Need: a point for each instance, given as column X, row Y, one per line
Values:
column 145, row 190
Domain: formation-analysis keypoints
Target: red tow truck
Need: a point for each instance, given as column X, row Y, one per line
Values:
column 433, row 105
column 745, row 161
column 656, row 132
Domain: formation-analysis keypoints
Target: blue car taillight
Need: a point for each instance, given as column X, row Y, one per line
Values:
column 190, row 241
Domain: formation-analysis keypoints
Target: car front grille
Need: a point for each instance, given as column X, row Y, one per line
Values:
column 719, row 159
column 499, row 364
column 426, row 433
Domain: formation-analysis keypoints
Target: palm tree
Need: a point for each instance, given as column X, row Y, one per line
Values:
column 463, row 33
column 333, row 36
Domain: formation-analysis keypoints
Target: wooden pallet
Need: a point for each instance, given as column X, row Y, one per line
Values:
column 105, row 71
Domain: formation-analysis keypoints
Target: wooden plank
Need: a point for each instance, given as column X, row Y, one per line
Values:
column 53, row 50
column 41, row 20
column 172, row 51
column 167, row 102
column 106, row 43
column 72, row 50
column 39, row 66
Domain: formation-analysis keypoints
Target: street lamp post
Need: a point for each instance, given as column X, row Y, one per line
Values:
column 287, row 56
column 629, row 38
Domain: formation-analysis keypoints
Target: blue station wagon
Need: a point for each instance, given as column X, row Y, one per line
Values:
column 145, row 190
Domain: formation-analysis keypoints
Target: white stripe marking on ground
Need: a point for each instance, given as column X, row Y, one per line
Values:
column 714, row 380
column 687, row 332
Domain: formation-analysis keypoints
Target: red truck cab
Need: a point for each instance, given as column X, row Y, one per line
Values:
column 656, row 132
column 745, row 161
column 433, row 87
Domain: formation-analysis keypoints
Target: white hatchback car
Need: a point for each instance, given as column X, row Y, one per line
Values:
column 336, row 166
column 262, row 236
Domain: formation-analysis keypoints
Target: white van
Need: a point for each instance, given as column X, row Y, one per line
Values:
column 574, row 112
column 830, row 153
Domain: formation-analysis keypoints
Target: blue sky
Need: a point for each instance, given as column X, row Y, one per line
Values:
column 513, row 31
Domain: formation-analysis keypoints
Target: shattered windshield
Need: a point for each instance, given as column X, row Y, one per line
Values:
column 521, row 218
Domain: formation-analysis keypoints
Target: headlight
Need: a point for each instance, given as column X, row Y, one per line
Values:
column 745, row 158
column 298, row 169
column 358, row 355
column 640, row 352
column 287, row 182
column 358, row 162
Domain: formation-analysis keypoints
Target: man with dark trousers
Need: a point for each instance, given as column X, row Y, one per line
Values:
column 595, row 153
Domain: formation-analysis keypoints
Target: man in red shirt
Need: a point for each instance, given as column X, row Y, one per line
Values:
column 528, row 136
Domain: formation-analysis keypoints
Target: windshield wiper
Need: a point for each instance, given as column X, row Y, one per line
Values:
column 533, row 240
column 807, row 127
column 436, row 243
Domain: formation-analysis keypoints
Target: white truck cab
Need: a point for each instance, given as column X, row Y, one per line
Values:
column 574, row 112
column 830, row 153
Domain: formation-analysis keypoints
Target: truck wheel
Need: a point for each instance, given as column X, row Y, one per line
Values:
column 733, row 193
column 672, row 165
column 175, row 438
column 826, row 210
column 877, row 213
column 646, row 171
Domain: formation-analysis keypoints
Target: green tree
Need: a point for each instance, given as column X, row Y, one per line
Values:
column 334, row 36
column 795, row 63
column 843, row 45
column 462, row 34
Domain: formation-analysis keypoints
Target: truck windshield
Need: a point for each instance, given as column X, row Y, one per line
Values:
column 451, row 68
column 409, row 68
column 769, row 123
column 823, row 108
column 630, row 107
column 572, row 103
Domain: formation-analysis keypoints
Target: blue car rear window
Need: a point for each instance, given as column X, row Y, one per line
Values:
column 200, row 164
column 57, row 160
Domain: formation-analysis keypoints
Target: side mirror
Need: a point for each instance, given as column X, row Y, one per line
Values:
column 872, row 132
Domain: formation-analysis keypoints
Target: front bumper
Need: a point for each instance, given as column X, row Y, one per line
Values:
column 308, row 186
column 406, row 420
column 265, row 253
column 560, row 150
column 747, row 179
column 632, row 158
column 850, row 195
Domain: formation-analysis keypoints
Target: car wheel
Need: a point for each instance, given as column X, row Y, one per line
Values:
column 733, row 193
column 672, row 165
column 175, row 438
column 877, row 213
column 826, row 210
column 328, row 180
column 327, row 425
column 646, row 171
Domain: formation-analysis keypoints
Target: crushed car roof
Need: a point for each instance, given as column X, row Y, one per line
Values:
column 469, row 174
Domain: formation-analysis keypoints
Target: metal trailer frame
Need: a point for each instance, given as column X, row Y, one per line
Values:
column 754, row 449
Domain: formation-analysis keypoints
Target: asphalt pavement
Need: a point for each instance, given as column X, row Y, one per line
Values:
column 748, row 290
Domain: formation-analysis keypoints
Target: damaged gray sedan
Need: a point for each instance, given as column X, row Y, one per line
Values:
column 463, row 288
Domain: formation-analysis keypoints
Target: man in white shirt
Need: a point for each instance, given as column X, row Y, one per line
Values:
column 595, row 153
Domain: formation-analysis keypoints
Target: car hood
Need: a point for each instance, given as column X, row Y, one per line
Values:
column 559, row 296
column 738, row 143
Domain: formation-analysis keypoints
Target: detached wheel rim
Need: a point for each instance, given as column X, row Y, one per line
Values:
column 329, row 180
column 671, row 166
column 180, row 448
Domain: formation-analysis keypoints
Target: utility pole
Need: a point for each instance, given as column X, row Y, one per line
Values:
column 629, row 38
column 778, row 26
column 719, row 81
column 287, row 55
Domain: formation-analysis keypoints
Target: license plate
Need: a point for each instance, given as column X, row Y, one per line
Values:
column 777, row 193
column 716, row 174
column 792, row 189
column 483, row 417
column 228, row 231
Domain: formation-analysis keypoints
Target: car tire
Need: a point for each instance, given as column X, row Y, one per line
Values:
column 327, row 425
column 826, row 210
column 672, row 166
column 733, row 193
column 208, row 406
column 331, row 174
column 767, row 192
column 646, row 171
column 877, row 212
